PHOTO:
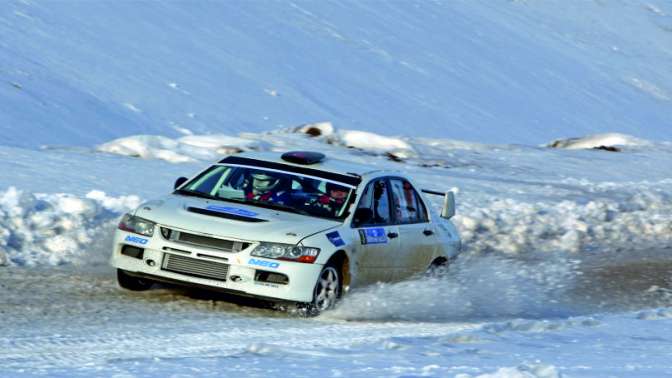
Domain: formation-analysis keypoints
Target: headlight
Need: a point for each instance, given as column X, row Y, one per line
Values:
column 137, row 225
column 286, row 252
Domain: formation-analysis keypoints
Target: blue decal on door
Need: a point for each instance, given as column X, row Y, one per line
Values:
column 335, row 239
column 373, row 235
column 232, row 210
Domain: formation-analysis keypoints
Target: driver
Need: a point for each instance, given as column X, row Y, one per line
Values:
column 267, row 187
column 334, row 199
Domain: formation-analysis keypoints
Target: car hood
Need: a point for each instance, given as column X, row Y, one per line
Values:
column 232, row 220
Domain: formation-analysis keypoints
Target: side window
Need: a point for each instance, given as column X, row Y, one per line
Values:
column 421, row 208
column 406, row 204
column 374, row 206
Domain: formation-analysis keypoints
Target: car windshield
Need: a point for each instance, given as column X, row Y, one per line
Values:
column 272, row 189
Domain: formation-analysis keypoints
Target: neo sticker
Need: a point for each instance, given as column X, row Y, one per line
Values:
column 232, row 210
column 135, row 239
column 373, row 235
column 264, row 263
column 335, row 239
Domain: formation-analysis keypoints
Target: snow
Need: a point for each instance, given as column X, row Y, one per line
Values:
column 189, row 148
column 510, row 72
column 566, row 270
column 370, row 141
column 524, row 371
column 599, row 140
column 57, row 229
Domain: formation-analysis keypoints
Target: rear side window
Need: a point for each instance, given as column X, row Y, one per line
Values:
column 406, row 203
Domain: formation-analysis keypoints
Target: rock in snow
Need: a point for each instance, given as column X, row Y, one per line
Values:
column 608, row 142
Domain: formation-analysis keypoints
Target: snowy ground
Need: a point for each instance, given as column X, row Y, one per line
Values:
column 567, row 269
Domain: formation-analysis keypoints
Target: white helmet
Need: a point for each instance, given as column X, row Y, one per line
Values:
column 263, row 182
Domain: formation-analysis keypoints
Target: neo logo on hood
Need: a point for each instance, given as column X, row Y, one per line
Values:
column 232, row 210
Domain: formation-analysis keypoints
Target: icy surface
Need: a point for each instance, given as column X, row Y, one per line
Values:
column 89, row 327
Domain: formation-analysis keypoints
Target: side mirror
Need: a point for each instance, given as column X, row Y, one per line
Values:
column 179, row 182
column 448, row 210
column 362, row 216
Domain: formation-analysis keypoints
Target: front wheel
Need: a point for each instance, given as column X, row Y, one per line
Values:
column 326, row 293
column 129, row 282
column 327, row 289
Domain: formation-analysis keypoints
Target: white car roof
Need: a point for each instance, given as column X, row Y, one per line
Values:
column 329, row 164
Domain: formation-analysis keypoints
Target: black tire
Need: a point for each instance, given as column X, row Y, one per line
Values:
column 438, row 268
column 129, row 282
column 324, row 298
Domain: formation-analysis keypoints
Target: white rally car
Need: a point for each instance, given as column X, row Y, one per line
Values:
column 296, row 227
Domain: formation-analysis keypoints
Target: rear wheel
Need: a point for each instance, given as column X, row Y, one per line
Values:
column 129, row 282
column 438, row 269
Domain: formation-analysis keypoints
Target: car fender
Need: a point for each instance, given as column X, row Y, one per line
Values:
column 448, row 238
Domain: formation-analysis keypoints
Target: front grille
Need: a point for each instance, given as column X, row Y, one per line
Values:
column 195, row 267
column 203, row 241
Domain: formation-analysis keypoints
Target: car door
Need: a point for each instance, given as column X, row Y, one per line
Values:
column 417, row 236
column 376, row 235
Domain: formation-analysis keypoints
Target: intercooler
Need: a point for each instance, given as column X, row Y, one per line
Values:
column 194, row 267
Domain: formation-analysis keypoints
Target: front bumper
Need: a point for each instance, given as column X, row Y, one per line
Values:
column 235, row 272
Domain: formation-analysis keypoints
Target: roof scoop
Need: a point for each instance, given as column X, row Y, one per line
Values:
column 303, row 157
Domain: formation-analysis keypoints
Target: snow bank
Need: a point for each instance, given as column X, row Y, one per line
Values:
column 369, row 141
column 57, row 229
column 512, row 227
column 186, row 149
column 192, row 148
column 362, row 140
column 656, row 314
column 597, row 141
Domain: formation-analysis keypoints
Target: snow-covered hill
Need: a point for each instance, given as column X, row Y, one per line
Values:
column 82, row 73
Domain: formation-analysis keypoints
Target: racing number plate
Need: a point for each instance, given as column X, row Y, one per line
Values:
column 373, row 235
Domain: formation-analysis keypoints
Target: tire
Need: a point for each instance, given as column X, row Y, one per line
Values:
column 438, row 268
column 326, row 294
column 129, row 282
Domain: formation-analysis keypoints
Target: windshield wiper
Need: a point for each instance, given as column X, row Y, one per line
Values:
column 195, row 194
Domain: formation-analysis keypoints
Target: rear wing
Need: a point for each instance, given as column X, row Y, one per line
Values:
column 448, row 210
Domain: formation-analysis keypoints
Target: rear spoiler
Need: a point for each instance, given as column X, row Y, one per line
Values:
column 448, row 210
